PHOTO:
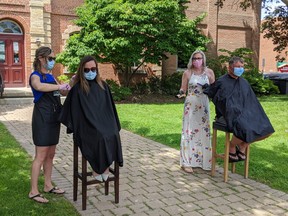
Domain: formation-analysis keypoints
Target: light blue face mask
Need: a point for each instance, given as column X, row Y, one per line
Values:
column 90, row 75
column 50, row 65
column 238, row 71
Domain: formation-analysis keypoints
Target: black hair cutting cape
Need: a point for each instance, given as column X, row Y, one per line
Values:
column 235, row 100
column 94, row 122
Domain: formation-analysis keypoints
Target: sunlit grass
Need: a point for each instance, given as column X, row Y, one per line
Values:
column 15, row 166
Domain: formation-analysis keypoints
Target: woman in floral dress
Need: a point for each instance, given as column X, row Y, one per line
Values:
column 195, row 147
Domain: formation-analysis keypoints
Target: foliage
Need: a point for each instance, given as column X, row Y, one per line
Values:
column 171, row 84
column 215, row 64
column 118, row 92
column 260, row 85
column 141, row 88
column 63, row 78
column 275, row 27
column 167, row 85
column 155, row 84
column 131, row 32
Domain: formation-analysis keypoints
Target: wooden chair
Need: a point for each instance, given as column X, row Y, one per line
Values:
column 221, row 126
column 85, row 182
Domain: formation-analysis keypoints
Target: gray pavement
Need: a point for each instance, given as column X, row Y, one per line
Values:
column 151, row 182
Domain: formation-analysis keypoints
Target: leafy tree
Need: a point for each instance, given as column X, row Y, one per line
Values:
column 130, row 32
column 275, row 25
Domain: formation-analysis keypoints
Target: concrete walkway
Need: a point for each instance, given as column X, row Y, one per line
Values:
column 151, row 182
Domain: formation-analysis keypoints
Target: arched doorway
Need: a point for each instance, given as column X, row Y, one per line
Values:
column 12, row 62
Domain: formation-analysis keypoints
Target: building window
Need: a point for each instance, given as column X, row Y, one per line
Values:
column 9, row 27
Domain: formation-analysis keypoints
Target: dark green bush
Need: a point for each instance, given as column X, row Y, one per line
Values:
column 171, row 84
column 118, row 92
column 141, row 88
column 260, row 85
column 154, row 84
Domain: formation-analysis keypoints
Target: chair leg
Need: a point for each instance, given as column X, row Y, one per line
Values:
column 116, row 182
column 214, row 152
column 107, row 187
column 75, row 172
column 84, row 183
column 233, row 167
column 226, row 156
column 246, row 166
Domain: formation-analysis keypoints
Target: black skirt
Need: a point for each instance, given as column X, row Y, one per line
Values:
column 45, row 124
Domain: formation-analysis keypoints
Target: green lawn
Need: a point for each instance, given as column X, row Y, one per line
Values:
column 268, row 158
column 15, row 167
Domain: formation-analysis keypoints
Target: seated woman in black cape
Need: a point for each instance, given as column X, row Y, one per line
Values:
column 90, row 114
column 244, row 116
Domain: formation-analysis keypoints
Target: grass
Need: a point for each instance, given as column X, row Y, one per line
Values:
column 268, row 158
column 15, row 165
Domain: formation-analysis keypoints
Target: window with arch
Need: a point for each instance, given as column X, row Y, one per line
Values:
column 9, row 27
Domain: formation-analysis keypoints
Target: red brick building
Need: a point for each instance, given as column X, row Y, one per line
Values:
column 27, row 24
column 267, row 61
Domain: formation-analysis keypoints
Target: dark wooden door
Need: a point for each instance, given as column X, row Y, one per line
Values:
column 12, row 60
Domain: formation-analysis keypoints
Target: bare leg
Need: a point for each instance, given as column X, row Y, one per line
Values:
column 40, row 155
column 243, row 145
column 234, row 142
column 48, row 165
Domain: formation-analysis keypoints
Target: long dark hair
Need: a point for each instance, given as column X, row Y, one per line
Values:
column 84, row 85
column 40, row 52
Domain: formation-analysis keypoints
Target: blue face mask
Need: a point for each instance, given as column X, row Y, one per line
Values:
column 238, row 71
column 50, row 65
column 90, row 75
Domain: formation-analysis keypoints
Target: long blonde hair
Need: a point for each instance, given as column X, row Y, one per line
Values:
column 190, row 65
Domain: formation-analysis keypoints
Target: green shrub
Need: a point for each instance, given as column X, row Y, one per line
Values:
column 260, row 85
column 154, row 84
column 141, row 88
column 171, row 84
column 63, row 78
column 118, row 92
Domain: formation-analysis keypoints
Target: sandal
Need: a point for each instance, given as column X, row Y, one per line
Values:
column 241, row 155
column 56, row 190
column 187, row 169
column 38, row 198
column 233, row 157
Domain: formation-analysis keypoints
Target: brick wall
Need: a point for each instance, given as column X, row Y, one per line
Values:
column 51, row 21
column 267, row 61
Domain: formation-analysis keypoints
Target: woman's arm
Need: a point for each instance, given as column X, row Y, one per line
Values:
column 42, row 87
column 210, row 75
column 184, row 83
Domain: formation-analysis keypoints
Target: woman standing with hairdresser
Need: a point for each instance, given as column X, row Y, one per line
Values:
column 195, row 147
column 45, row 126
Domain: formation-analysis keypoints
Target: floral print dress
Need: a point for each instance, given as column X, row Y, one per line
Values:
column 195, row 148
